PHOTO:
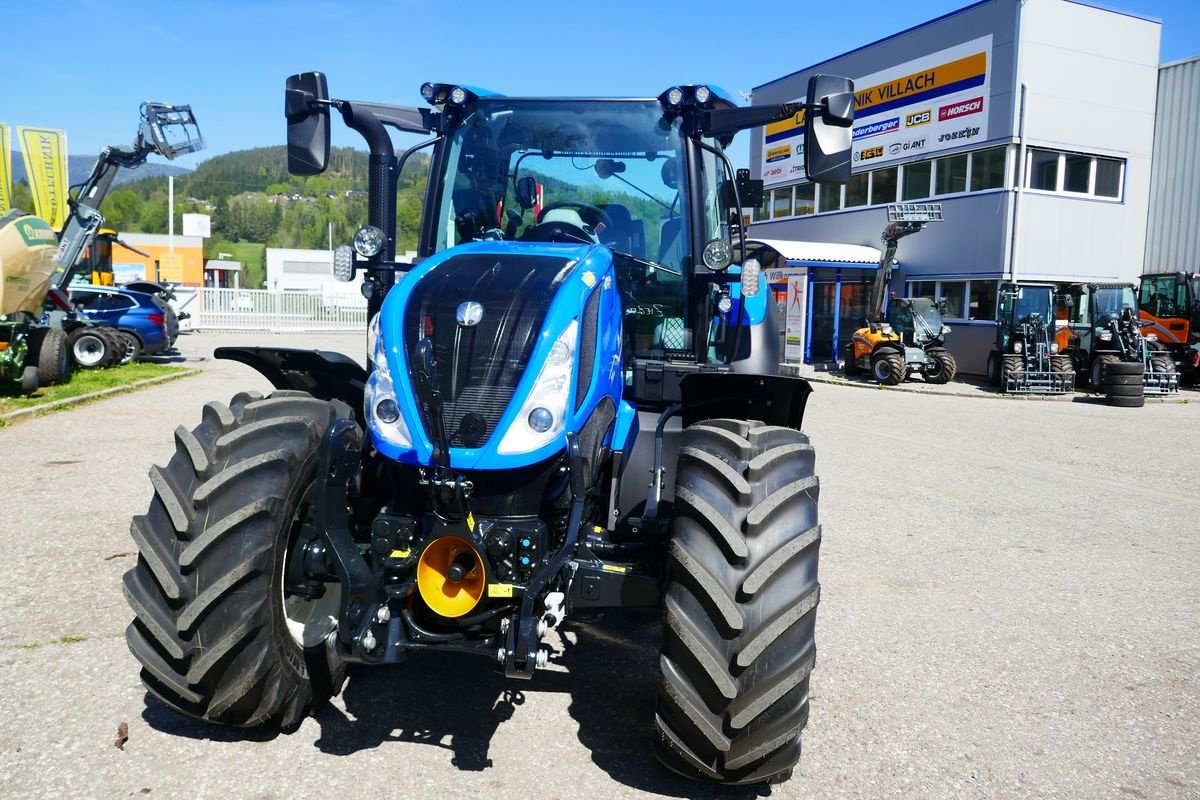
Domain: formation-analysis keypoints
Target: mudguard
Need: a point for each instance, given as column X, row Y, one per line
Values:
column 324, row 374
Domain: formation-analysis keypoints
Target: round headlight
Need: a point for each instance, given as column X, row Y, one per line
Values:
column 1054, row 347
column 540, row 419
column 1018, row 347
column 725, row 304
column 458, row 95
column 368, row 241
column 427, row 91
column 717, row 255
column 387, row 410
column 703, row 94
column 674, row 96
column 343, row 263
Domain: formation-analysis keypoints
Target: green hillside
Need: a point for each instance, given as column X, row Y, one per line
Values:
column 252, row 198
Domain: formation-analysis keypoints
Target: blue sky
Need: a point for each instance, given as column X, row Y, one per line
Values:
column 229, row 58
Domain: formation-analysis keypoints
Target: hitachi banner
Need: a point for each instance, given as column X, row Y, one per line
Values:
column 933, row 103
column 5, row 170
column 45, row 153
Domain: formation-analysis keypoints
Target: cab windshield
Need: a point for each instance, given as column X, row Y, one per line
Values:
column 568, row 171
column 1110, row 301
column 1034, row 302
column 917, row 315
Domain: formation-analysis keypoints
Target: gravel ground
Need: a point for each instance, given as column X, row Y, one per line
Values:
column 1009, row 608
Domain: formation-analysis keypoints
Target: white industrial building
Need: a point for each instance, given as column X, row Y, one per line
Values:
column 1031, row 121
column 292, row 270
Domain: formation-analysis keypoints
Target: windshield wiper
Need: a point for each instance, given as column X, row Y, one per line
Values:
column 643, row 261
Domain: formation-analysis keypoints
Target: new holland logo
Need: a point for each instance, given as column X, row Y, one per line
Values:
column 469, row 314
column 919, row 118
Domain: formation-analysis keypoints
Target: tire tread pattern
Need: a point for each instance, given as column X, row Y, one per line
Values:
column 738, row 644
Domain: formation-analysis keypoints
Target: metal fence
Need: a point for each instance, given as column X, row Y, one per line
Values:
column 263, row 310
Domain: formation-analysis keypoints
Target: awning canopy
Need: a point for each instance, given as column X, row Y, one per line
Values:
column 799, row 254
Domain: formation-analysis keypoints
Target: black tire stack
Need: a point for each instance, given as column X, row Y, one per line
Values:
column 1122, row 384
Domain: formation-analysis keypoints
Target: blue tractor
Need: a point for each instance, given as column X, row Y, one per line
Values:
column 570, row 404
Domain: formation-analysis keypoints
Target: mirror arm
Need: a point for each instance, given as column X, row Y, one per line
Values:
column 728, row 121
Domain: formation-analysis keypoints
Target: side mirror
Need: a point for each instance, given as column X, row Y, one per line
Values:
column 527, row 192
column 829, row 130
column 1065, row 301
column 304, row 104
column 1181, row 279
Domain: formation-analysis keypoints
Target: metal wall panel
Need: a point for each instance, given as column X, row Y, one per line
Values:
column 1173, row 232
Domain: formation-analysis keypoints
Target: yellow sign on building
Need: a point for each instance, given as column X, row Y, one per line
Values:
column 170, row 268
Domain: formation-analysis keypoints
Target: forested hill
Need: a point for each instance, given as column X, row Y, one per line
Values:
column 251, row 198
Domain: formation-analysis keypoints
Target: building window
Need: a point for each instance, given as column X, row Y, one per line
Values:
column 965, row 300
column 830, row 197
column 1043, row 170
column 781, row 203
column 883, row 186
column 856, row 190
column 1074, row 173
column 916, row 180
column 1108, row 177
column 987, row 169
column 951, row 174
column 805, row 199
column 763, row 211
column 1077, row 173
column 983, row 300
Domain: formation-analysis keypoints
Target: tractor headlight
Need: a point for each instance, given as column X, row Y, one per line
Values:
column 1151, row 337
column 1054, row 347
column 674, row 97
column 343, row 263
column 368, row 241
column 717, row 254
column 381, row 409
column 702, row 94
column 544, row 412
column 458, row 95
column 1018, row 347
column 945, row 329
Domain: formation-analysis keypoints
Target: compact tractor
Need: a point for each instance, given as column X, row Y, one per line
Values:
column 571, row 403
column 1026, row 358
column 1169, row 309
column 1103, row 328
column 36, row 265
column 911, row 338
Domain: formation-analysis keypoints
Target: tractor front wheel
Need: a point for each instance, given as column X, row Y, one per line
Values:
column 741, row 602
column 944, row 368
column 889, row 368
column 217, row 635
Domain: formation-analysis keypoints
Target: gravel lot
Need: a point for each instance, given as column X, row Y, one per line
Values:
column 1009, row 608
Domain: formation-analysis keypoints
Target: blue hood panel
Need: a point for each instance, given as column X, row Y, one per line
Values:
column 530, row 293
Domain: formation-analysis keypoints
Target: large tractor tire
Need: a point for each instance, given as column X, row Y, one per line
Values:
column 993, row 368
column 217, row 637
column 117, row 351
column 1010, row 366
column 50, row 352
column 91, row 348
column 945, row 367
column 132, row 345
column 1061, row 364
column 889, row 368
column 741, row 602
column 1122, row 383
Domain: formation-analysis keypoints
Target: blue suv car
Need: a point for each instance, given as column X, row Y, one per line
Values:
column 138, row 316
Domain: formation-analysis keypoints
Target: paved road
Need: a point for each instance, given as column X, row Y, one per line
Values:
column 1009, row 609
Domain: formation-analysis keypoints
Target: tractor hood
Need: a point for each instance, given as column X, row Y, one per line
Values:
column 514, row 333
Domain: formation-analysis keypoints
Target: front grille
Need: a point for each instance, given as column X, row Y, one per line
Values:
column 478, row 367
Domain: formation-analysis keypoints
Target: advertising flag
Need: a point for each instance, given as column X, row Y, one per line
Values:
column 45, row 153
column 5, row 170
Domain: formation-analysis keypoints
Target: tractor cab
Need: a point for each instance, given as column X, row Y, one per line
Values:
column 918, row 320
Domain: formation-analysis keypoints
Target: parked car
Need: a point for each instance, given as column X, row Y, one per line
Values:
column 137, row 315
column 164, row 295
